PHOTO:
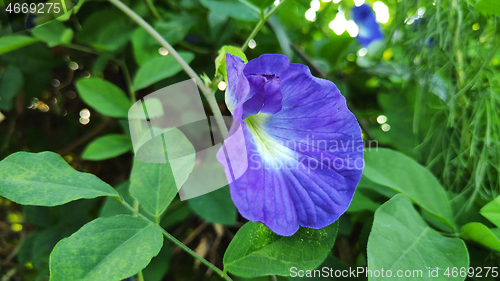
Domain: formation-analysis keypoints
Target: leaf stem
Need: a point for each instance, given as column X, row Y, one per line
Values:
column 136, row 206
column 195, row 255
column 152, row 9
column 263, row 19
column 177, row 242
column 140, row 276
column 209, row 95
column 128, row 81
column 81, row 48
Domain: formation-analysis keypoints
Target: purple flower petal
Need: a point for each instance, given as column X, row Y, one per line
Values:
column 305, row 152
column 267, row 97
column 369, row 29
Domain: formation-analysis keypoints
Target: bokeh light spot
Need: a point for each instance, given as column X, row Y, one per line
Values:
column 222, row 85
column 252, row 44
column 381, row 12
column 310, row 15
column 381, row 119
column 163, row 51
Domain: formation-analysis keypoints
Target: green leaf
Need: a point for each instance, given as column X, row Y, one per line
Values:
column 143, row 49
column 176, row 213
column 106, row 30
column 399, row 112
column 220, row 61
column 176, row 28
column 72, row 214
column 401, row 173
column 331, row 262
column 106, row 249
column 496, row 232
column 11, row 82
column 25, row 253
column 104, row 97
column 146, row 48
column 262, row 4
column 221, row 28
column 154, row 184
column 113, row 207
column 463, row 212
column 215, row 207
column 158, row 69
column 39, row 244
column 45, row 179
column 383, row 190
column 45, row 242
column 100, row 64
column 159, row 265
column 481, row 234
column 154, row 106
column 231, row 8
column 361, row 202
column 108, row 146
column 49, row 12
column 256, row 251
column 13, row 42
column 401, row 240
column 491, row 7
column 491, row 211
column 53, row 33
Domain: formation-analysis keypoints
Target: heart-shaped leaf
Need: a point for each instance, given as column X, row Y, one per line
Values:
column 491, row 211
column 481, row 234
column 13, row 42
column 45, row 179
column 215, row 206
column 155, row 185
column 108, row 146
column 159, row 68
column 401, row 240
column 112, row 248
column 403, row 174
column 104, row 97
column 256, row 251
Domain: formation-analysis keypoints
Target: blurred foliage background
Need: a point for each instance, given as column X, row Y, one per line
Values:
column 429, row 89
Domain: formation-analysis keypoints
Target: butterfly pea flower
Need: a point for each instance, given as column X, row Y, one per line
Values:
column 369, row 29
column 304, row 151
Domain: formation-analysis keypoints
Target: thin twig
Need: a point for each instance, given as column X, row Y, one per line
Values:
column 10, row 131
column 191, row 237
column 215, row 246
column 14, row 252
column 152, row 9
column 304, row 56
column 140, row 276
column 81, row 48
column 128, row 81
column 258, row 27
column 177, row 242
column 83, row 139
column 208, row 94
